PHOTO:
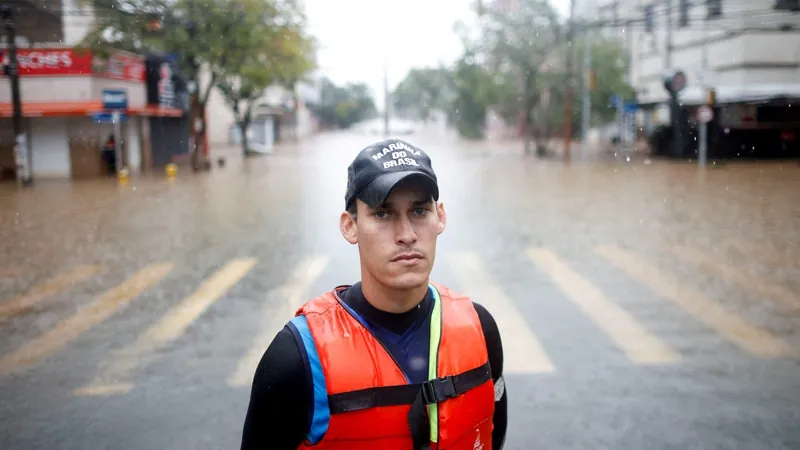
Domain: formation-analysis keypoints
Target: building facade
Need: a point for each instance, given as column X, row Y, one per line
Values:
column 65, row 122
column 742, row 49
column 61, row 90
column 740, row 57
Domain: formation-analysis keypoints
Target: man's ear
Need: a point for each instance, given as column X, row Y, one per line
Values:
column 347, row 225
column 441, row 214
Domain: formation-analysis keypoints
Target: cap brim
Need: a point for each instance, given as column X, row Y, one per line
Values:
column 376, row 193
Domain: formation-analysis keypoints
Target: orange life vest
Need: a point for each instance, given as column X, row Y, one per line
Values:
column 362, row 399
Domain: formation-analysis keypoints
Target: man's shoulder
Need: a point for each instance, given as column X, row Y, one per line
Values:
column 319, row 303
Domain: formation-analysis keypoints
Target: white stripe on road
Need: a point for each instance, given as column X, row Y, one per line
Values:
column 46, row 289
column 68, row 329
column 114, row 377
column 522, row 352
column 279, row 307
column 747, row 336
column 640, row 346
column 746, row 280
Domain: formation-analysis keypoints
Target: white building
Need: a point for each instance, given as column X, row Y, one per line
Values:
column 743, row 49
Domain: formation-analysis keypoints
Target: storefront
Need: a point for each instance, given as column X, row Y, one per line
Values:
column 61, row 90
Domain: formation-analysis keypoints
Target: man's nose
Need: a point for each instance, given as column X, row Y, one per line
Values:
column 404, row 231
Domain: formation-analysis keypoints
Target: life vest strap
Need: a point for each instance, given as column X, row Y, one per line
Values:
column 431, row 391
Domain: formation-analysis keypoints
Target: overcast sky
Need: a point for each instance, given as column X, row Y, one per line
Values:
column 359, row 36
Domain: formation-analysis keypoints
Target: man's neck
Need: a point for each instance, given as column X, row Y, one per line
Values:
column 392, row 300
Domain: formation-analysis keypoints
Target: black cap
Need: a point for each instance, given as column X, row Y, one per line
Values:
column 377, row 169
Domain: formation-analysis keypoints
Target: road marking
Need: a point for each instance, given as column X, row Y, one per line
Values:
column 768, row 255
column 68, row 329
column 289, row 296
column 749, row 337
column 17, row 305
column 113, row 378
column 521, row 349
column 640, row 346
column 746, row 280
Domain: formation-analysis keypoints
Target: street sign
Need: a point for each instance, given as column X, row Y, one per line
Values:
column 115, row 99
column 705, row 114
column 107, row 117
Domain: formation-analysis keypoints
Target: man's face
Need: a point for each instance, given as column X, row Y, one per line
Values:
column 397, row 241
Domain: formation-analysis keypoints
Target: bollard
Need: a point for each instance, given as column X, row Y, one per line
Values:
column 123, row 175
column 171, row 170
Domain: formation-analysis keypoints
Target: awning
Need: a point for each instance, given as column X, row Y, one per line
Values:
column 86, row 108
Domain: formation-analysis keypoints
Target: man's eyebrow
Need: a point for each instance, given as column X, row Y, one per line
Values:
column 420, row 202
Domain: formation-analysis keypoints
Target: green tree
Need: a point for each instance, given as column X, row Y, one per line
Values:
column 472, row 93
column 267, row 47
column 609, row 63
column 188, row 28
column 200, row 32
column 516, row 48
column 421, row 92
column 343, row 106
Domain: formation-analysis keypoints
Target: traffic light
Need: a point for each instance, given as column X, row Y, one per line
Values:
column 675, row 81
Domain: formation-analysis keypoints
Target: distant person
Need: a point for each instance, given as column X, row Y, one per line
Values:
column 109, row 154
column 391, row 362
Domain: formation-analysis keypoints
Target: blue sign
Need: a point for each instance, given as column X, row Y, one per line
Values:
column 630, row 107
column 115, row 99
column 107, row 117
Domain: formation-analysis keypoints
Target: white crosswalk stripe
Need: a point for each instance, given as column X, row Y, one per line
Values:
column 288, row 297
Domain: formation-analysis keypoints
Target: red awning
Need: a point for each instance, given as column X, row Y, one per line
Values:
column 86, row 108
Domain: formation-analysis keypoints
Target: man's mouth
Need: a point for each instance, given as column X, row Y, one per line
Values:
column 407, row 256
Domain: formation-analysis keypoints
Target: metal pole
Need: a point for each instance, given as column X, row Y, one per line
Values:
column 117, row 140
column 21, row 153
column 668, row 52
column 702, row 129
column 703, row 149
column 587, row 99
column 386, row 99
column 568, row 100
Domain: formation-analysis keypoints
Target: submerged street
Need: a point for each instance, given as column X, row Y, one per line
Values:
column 642, row 304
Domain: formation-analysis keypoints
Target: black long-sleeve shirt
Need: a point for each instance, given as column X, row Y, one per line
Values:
column 280, row 399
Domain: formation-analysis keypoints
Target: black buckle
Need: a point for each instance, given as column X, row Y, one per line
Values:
column 438, row 390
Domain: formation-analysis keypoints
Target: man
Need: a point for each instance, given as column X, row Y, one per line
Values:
column 393, row 361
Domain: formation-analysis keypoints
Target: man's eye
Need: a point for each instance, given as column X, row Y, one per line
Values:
column 420, row 211
column 380, row 214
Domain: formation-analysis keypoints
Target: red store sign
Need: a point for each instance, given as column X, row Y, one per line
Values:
column 43, row 62
column 67, row 61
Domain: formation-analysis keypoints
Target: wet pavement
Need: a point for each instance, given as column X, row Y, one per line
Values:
column 643, row 304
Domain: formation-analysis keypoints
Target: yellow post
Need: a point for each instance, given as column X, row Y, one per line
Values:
column 171, row 170
column 123, row 175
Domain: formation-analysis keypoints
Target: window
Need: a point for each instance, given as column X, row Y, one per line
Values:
column 648, row 19
column 683, row 16
column 713, row 8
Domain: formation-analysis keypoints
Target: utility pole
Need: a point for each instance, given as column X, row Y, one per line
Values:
column 21, row 153
column 386, row 99
column 668, row 44
column 702, row 126
column 587, row 99
column 568, row 98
